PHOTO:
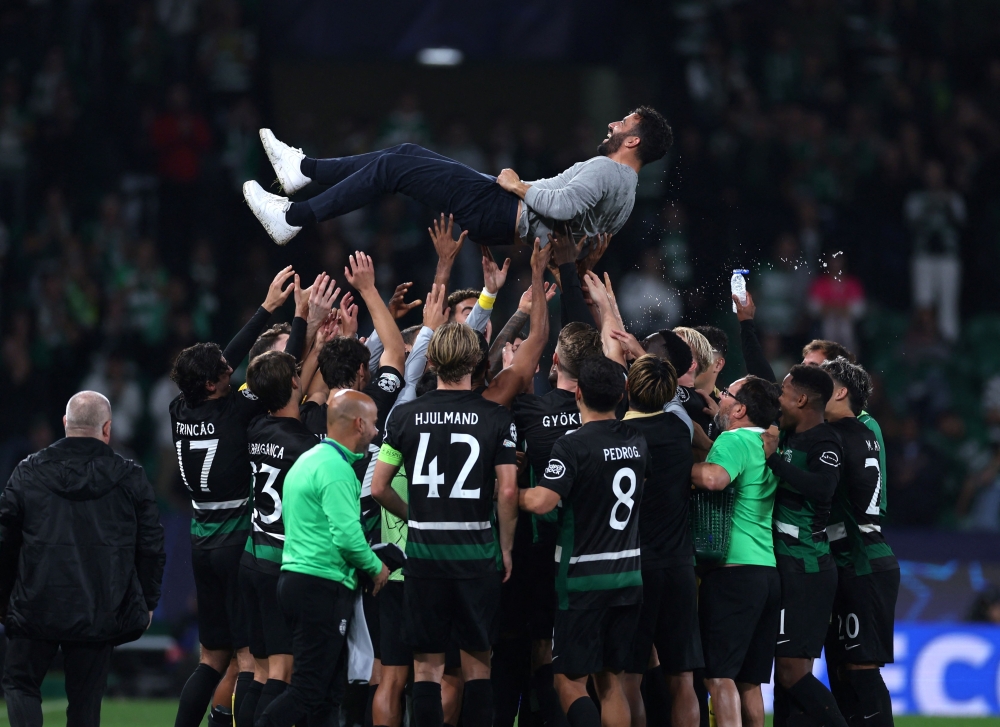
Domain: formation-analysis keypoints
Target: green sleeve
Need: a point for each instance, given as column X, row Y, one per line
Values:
column 340, row 503
column 729, row 453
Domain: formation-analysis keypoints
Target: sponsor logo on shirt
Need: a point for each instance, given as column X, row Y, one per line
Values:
column 830, row 458
column 682, row 394
column 508, row 443
column 554, row 470
column 388, row 383
column 248, row 394
column 787, row 455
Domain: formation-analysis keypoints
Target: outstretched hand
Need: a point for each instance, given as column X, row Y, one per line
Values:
column 323, row 294
column 540, row 257
column 630, row 344
column 397, row 306
column 361, row 273
column 594, row 254
column 745, row 312
column 277, row 293
column 494, row 276
column 524, row 306
column 348, row 317
column 435, row 312
column 445, row 244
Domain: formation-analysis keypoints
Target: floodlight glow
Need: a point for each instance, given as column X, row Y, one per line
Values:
column 440, row 57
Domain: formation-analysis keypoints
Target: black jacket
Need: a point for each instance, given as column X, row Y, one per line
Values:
column 81, row 545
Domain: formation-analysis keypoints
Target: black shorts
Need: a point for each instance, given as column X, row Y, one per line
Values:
column 739, row 608
column 590, row 640
column 222, row 620
column 864, row 616
column 542, row 589
column 806, row 605
column 268, row 632
column 668, row 619
column 370, row 604
column 394, row 649
column 438, row 612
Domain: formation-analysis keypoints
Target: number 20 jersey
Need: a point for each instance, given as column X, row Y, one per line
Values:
column 211, row 443
column 598, row 471
column 450, row 442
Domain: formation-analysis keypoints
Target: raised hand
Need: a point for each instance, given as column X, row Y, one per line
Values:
column 564, row 250
column 493, row 276
column 361, row 273
column 324, row 294
column 397, row 306
column 539, row 258
column 524, row 305
column 511, row 181
column 328, row 329
column 745, row 312
column 348, row 317
column 277, row 293
column 630, row 344
column 435, row 313
column 445, row 244
column 594, row 254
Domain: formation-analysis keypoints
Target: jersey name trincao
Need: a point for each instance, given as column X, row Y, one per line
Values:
column 274, row 444
column 450, row 443
column 211, row 444
column 383, row 389
column 598, row 471
column 855, row 529
column 800, row 540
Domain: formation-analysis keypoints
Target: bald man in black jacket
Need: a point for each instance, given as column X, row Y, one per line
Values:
column 81, row 561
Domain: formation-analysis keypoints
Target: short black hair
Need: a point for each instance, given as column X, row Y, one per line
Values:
column 814, row 382
column 760, row 397
column 428, row 382
column 410, row 334
column 601, row 383
column 266, row 340
column 458, row 296
column 339, row 361
column 677, row 350
column 655, row 135
column 269, row 377
column 854, row 378
column 717, row 337
column 829, row 349
column 196, row 366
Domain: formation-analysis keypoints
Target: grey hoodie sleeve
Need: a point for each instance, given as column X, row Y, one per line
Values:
column 478, row 318
column 582, row 192
column 374, row 344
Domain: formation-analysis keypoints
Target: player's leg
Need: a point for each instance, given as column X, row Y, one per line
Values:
column 428, row 615
column 476, row 609
column 765, row 586
column 277, row 643
column 614, row 705
column 751, row 704
column 387, row 708
column 576, row 702
column 216, row 643
column 676, row 635
column 221, row 714
column 428, row 669
column 452, row 687
column 372, row 621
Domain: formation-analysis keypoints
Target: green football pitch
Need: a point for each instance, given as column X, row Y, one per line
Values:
column 161, row 712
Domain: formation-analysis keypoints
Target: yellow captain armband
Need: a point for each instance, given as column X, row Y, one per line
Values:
column 390, row 455
column 487, row 299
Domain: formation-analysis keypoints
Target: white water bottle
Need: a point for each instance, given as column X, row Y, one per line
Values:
column 738, row 285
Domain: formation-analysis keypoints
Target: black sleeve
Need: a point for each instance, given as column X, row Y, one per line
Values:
column 150, row 555
column 753, row 354
column 242, row 342
column 506, row 438
column 561, row 469
column 573, row 306
column 296, row 343
column 11, row 523
column 384, row 389
column 819, row 482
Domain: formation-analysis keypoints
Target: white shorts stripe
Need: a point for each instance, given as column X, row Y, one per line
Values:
column 787, row 529
column 866, row 528
column 257, row 528
column 836, row 531
column 227, row 505
column 485, row 525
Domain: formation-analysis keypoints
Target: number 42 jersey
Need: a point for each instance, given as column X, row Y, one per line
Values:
column 450, row 442
column 598, row 471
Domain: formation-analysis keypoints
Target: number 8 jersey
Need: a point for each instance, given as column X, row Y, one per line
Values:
column 598, row 471
column 450, row 442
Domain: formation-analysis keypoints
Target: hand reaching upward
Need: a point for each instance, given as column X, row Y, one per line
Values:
column 277, row 293
column 361, row 272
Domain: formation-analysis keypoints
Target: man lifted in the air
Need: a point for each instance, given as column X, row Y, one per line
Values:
column 595, row 196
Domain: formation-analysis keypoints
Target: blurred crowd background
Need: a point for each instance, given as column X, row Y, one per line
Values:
column 846, row 152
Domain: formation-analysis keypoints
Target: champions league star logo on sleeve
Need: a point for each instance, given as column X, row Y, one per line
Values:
column 249, row 394
column 388, row 383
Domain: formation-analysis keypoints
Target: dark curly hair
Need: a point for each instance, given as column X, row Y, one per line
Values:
column 601, row 383
column 655, row 135
column 760, row 397
column 196, row 366
column 852, row 377
column 266, row 340
column 340, row 359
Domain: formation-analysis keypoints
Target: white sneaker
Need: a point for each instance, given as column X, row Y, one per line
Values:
column 270, row 210
column 286, row 162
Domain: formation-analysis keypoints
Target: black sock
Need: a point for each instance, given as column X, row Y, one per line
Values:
column 656, row 696
column 248, row 706
column 243, row 681
column 197, row 696
column 780, row 705
column 549, row 709
column 816, row 700
column 272, row 689
column 308, row 167
column 427, row 710
column 477, row 703
column 299, row 214
column 372, row 688
column 220, row 717
column 583, row 713
column 874, row 707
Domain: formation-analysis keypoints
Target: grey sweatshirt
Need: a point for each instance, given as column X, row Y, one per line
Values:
column 595, row 196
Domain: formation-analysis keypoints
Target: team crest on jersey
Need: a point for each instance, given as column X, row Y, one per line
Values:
column 787, row 455
column 513, row 432
column 682, row 394
column 343, row 626
column 388, row 383
column 554, row 470
column 830, row 458
column 249, row 394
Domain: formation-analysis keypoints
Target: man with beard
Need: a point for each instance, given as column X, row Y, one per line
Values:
column 595, row 196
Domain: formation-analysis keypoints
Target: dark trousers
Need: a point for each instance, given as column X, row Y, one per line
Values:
column 479, row 204
column 319, row 611
column 86, row 667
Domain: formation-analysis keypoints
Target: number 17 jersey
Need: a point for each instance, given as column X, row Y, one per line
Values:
column 450, row 442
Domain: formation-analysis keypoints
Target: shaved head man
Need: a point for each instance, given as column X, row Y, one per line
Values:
column 88, row 414
column 350, row 419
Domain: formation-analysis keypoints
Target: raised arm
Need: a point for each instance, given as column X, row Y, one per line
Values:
column 361, row 274
column 446, row 245
column 514, row 326
column 564, row 256
column 242, row 342
column 608, row 320
column 753, row 355
column 494, row 278
column 512, row 380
